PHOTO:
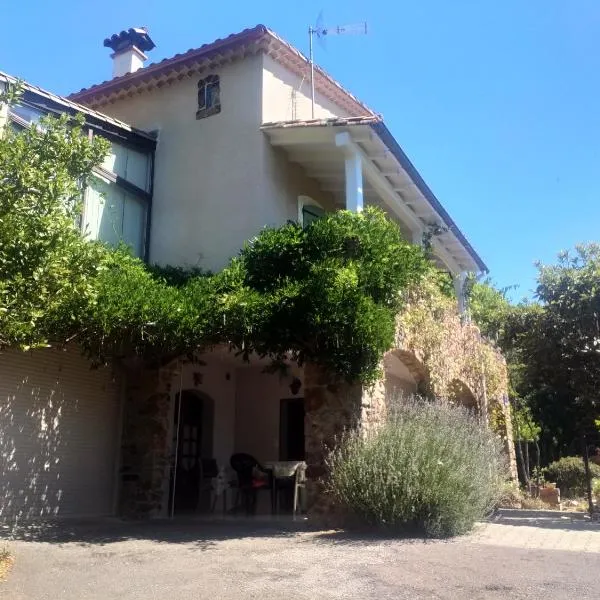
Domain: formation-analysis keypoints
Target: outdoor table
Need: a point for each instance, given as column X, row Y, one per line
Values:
column 280, row 470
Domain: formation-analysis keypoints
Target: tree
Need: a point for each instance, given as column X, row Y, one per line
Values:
column 557, row 342
column 489, row 308
column 45, row 265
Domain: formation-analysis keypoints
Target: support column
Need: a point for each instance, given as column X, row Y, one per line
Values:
column 353, row 172
column 145, row 445
column 333, row 406
column 459, row 286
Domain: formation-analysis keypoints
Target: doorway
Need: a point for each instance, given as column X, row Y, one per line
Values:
column 193, row 440
column 291, row 429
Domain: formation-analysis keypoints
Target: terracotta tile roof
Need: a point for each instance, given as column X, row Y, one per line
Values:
column 69, row 105
column 246, row 42
column 378, row 126
column 329, row 122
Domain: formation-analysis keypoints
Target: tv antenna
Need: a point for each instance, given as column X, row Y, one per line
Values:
column 322, row 32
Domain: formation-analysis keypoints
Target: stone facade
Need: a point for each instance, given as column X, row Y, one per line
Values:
column 454, row 363
column 333, row 406
column 451, row 360
column 145, row 445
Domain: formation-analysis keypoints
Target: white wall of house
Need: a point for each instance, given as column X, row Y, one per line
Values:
column 215, row 379
column 287, row 96
column 59, row 435
column 257, row 410
column 207, row 196
column 217, row 180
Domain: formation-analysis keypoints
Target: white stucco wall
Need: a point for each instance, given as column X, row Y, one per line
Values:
column 257, row 410
column 287, row 96
column 217, row 180
column 215, row 379
column 207, row 179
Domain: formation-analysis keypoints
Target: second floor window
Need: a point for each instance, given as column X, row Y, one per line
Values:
column 308, row 211
column 209, row 97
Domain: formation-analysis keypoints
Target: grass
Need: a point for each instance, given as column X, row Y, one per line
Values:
column 6, row 561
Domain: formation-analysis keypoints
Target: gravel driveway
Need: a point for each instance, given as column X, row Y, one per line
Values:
column 511, row 557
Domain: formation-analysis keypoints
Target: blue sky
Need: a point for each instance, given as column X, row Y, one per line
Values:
column 496, row 103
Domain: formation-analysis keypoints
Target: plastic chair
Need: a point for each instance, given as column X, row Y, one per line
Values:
column 247, row 468
column 299, row 486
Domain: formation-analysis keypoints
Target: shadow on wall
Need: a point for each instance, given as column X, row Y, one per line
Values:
column 31, row 446
column 53, row 425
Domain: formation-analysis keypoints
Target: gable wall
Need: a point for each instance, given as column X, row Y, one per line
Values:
column 217, row 180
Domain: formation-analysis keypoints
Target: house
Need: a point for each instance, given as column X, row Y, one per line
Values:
column 208, row 147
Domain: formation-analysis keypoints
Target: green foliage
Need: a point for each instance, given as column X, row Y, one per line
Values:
column 596, row 488
column 45, row 267
column 489, row 308
column 554, row 342
column 569, row 475
column 524, row 427
column 327, row 293
column 431, row 467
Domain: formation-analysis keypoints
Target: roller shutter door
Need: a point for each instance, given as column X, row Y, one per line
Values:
column 59, row 430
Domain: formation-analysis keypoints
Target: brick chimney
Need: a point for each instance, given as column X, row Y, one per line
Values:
column 128, row 50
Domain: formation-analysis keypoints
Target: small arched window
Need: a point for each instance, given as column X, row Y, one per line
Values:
column 209, row 97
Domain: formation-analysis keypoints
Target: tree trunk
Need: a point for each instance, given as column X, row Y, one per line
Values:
column 520, row 449
column 588, row 476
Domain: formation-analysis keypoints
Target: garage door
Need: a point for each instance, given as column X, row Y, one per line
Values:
column 58, row 435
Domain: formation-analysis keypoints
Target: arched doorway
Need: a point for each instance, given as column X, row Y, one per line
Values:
column 193, row 426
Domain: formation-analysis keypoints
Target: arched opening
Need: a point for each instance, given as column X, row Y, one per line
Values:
column 193, row 427
column 401, row 381
column 460, row 394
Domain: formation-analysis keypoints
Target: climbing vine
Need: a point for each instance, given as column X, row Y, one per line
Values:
column 451, row 350
column 327, row 293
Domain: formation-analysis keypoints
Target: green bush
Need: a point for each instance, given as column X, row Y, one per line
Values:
column 596, row 489
column 431, row 467
column 569, row 475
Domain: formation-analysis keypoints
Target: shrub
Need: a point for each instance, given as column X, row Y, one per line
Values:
column 569, row 475
column 510, row 496
column 430, row 467
column 596, row 488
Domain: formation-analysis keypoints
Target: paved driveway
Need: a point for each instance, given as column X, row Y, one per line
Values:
column 511, row 557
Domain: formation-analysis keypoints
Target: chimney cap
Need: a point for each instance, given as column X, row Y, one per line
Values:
column 134, row 36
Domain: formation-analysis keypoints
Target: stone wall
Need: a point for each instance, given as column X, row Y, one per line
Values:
column 455, row 363
column 333, row 406
column 145, row 446
column 446, row 356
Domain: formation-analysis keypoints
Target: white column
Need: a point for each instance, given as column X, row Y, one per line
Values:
column 354, row 183
column 459, row 286
column 353, row 172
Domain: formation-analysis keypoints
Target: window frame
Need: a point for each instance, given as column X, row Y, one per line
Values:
column 304, row 202
column 204, row 110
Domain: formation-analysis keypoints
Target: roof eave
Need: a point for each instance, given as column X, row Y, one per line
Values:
column 390, row 141
column 249, row 41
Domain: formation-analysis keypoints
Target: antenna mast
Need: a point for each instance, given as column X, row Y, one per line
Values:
column 321, row 32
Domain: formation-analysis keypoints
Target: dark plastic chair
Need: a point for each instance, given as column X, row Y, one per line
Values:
column 249, row 483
